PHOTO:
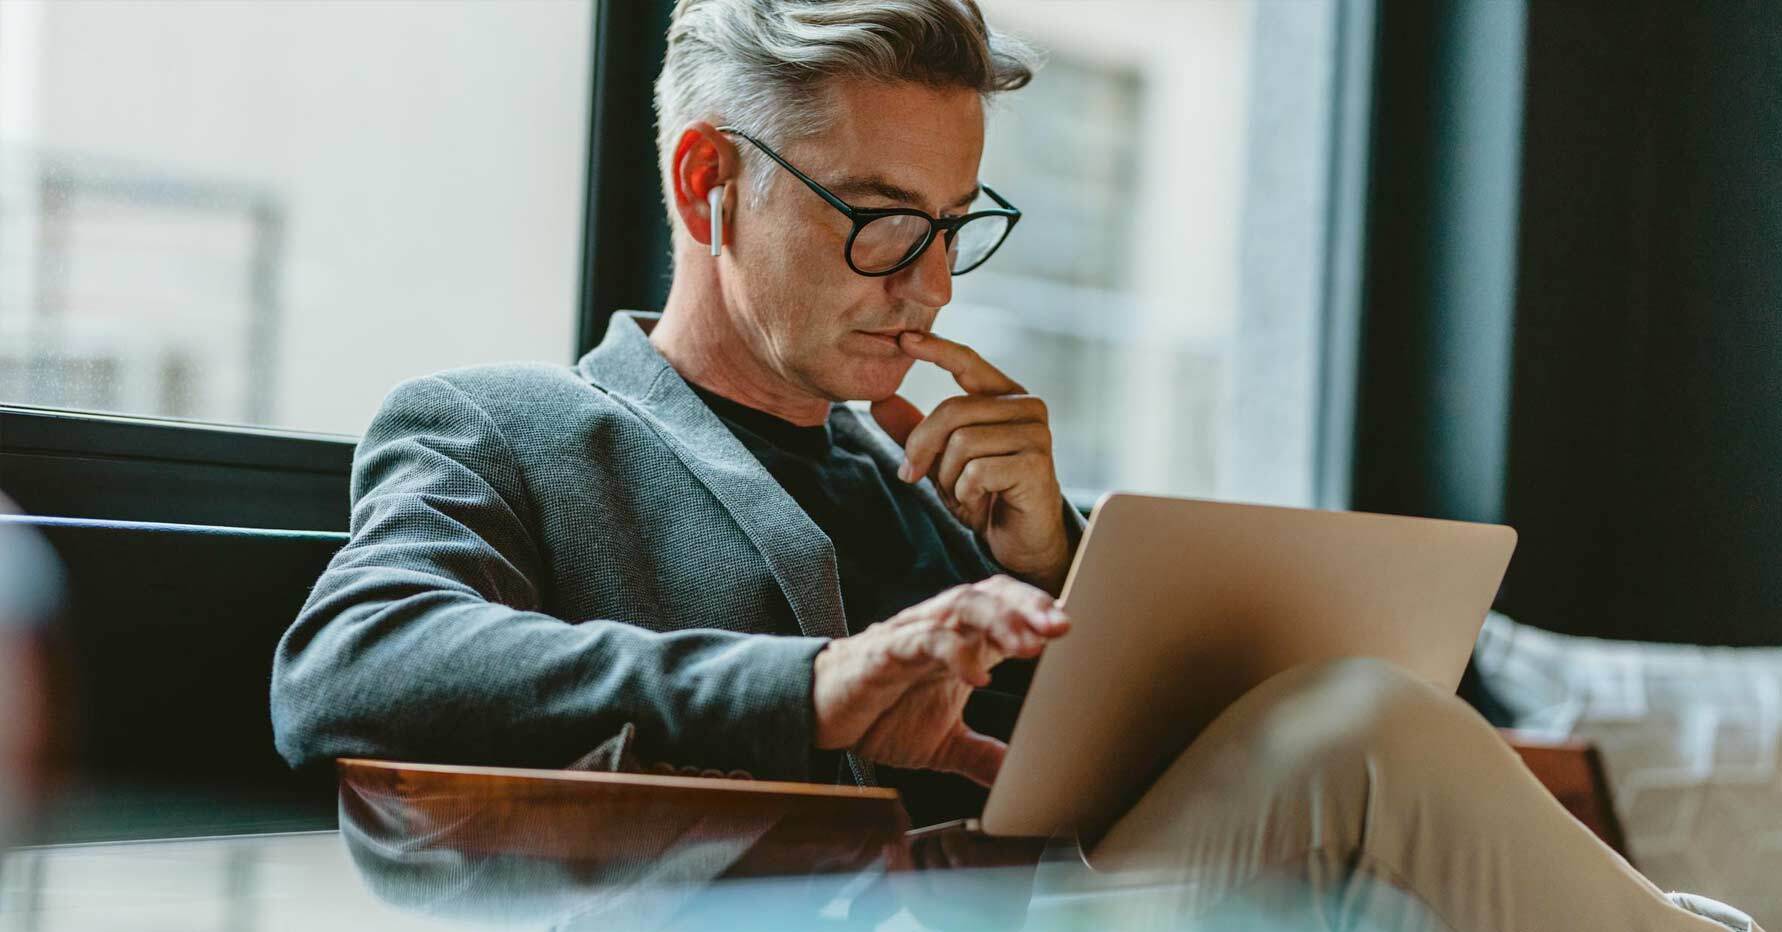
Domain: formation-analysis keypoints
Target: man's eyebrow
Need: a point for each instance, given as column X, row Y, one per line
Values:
column 967, row 198
column 892, row 192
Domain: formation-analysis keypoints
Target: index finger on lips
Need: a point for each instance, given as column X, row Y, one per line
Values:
column 974, row 373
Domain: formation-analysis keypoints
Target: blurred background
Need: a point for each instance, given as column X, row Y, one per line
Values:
column 1499, row 260
column 1480, row 260
column 201, row 223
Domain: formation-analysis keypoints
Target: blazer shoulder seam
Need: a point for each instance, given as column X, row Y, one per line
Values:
column 513, row 457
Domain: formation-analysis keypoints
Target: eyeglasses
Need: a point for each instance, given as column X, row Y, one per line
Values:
column 884, row 240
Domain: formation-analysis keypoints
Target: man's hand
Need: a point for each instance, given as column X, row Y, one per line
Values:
column 989, row 454
column 894, row 692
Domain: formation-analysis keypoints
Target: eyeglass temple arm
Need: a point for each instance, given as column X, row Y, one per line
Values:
column 837, row 202
column 1000, row 201
column 809, row 182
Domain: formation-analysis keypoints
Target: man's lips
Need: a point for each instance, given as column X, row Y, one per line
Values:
column 885, row 338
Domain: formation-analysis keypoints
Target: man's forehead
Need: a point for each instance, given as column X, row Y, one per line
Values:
column 905, row 143
column 879, row 186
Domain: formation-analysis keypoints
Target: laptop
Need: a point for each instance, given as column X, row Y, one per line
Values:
column 1179, row 606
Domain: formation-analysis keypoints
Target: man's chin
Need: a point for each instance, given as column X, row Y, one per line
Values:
column 867, row 379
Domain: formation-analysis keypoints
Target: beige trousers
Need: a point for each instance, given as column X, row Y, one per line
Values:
column 1352, row 796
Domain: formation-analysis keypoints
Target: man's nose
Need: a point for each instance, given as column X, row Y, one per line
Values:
column 928, row 280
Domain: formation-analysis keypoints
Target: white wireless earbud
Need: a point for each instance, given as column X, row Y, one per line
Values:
column 715, row 200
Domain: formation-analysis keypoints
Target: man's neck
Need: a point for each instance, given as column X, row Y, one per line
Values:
column 698, row 337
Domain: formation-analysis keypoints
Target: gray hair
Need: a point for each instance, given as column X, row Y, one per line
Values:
column 764, row 66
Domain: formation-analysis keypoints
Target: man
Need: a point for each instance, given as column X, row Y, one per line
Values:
column 688, row 545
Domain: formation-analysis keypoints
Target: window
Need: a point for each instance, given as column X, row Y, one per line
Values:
column 1164, row 292
column 269, row 213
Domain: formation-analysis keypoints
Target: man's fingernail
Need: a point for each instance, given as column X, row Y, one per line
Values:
column 903, row 470
column 916, row 336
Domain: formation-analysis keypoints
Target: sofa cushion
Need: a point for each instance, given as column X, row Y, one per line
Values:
column 1691, row 738
column 166, row 638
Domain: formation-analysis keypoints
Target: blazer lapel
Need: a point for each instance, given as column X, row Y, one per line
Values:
column 797, row 552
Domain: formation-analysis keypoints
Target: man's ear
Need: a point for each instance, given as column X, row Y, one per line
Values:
column 703, row 159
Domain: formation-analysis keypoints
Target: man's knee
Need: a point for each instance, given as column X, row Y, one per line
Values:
column 1296, row 764
column 1354, row 711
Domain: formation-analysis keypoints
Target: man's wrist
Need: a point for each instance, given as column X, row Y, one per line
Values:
column 821, row 670
column 1052, row 580
column 1073, row 538
column 825, row 763
column 1057, row 568
column 1050, row 572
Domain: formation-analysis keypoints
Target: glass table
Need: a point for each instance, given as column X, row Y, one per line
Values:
column 430, row 847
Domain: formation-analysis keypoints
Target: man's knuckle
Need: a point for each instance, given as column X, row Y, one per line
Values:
column 960, row 441
column 949, row 408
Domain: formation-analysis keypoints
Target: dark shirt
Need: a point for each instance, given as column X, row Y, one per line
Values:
column 889, row 557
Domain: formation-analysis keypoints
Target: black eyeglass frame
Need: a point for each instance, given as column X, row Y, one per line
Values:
column 861, row 216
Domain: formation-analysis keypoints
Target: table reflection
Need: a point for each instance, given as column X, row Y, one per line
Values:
column 571, row 851
column 455, row 848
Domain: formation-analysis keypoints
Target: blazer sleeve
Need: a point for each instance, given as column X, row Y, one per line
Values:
column 423, row 639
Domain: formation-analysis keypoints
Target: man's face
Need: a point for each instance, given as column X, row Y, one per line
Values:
column 812, row 320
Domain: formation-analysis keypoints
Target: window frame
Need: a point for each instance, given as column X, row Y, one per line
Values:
column 82, row 464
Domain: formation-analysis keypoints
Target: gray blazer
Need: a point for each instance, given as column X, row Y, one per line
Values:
column 541, row 555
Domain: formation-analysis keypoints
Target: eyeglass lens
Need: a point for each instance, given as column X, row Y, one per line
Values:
column 886, row 242
column 883, row 243
column 974, row 242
